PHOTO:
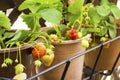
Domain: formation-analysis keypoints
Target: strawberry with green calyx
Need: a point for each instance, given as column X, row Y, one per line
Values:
column 16, row 60
column 103, row 39
column 72, row 34
column 89, row 40
column 54, row 38
column 39, row 50
column 4, row 65
column 8, row 61
column 85, row 43
column 48, row 58
column 37, row 63
column 19, row 68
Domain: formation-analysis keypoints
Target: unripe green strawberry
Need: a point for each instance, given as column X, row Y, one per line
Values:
column 4, row 65
column 79, row 34
column 19, row 68
column 37, row 63
column 103, row 39
column 8, row 61
column 54, row 38
column 85, row 43
column 89, row 40
column 48, row 59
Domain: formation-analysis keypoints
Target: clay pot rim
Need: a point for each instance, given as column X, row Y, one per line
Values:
column 73, row 41
column 24, row 46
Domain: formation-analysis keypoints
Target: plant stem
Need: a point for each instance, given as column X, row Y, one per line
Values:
column 45, row 40
column 57, row 30
column 20, row 55
column 35, row 25
column 4, row 55
column 80, row 19
column 2, row 43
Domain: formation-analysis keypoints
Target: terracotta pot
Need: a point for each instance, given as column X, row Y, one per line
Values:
column 107, row 58
column 63, row 51
column 27, row 61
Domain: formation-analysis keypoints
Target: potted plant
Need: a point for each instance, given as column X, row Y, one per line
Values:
column 69, row 43
column 14, row 57
column 105, row 15
column 62, row 36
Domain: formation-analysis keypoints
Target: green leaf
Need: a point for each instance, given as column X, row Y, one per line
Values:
column 103, row 10
column 4, row 21
column 20, row 35
column 116, row 11
column 73, row 17
column 76, row 7
column 112, row 31
column 26, row 4
column 104, row 2
column 95, row 18
column 103, row 31
column 30, row 20
column 48, row 1
column 51, row 15
column 58, row 6
column 2, row 31
column 8, row 35
column 35, row 5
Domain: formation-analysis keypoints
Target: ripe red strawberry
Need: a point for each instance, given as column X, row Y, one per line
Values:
column 39, row 50
column 73, row 34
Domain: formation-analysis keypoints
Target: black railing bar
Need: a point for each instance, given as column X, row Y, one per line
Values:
column 111, row 71
column 98, row 57
column 74, row 57
column 65, row 70
column 2, row 78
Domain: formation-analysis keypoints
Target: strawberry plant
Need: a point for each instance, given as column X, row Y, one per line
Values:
column 103, row 24
column 39, row 9
column 79, row 22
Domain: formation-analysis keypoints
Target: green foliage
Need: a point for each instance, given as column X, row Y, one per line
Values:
column 41, row 9
column 32, row 20
column 53, row 17
column 96, row 19
column 75, row 10
column 4, row 21
column 101, row 16
column 76, row 7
